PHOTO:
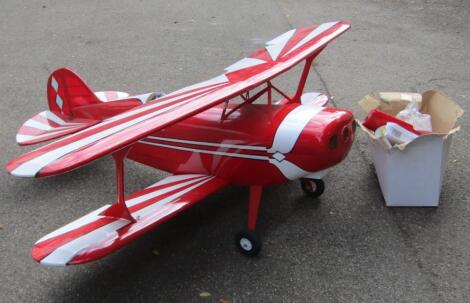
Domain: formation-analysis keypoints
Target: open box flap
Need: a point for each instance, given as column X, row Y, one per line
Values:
column 389, row 102
column 444, row 112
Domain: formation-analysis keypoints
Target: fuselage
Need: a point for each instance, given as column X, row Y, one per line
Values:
column 256, row 144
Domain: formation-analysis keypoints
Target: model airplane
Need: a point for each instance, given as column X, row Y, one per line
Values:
column 205, row 141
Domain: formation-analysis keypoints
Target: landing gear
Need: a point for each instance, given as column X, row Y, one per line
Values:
column 248, row 243
column 246, row 240
column 312, row 187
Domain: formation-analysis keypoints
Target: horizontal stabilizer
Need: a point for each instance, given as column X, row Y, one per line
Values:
column 95, row 236
column 48, row 125
column 109, row 96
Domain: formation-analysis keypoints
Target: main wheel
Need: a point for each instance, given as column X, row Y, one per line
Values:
column 312, row 187
column 248, row 243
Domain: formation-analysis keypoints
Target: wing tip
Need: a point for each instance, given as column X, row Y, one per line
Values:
column 45, row 261
column 23, row 140
column 52, row 264
column 16, row 171
column 340, row 23
column 344, row 24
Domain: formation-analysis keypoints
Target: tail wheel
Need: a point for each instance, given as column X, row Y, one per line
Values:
column 312, row 187
column 248, row 243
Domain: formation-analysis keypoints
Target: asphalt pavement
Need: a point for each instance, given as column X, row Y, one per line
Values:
column 345, row 247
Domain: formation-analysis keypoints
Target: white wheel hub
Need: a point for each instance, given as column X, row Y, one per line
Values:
column 310, row 186
column 313, row 186
column 246, row 244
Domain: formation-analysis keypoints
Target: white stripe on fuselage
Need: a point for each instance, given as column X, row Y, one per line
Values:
column 292, row 126
column 205, row 151
column 202, row 143
column 286, row 136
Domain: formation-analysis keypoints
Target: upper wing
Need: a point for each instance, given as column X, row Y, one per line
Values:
column 279, row 55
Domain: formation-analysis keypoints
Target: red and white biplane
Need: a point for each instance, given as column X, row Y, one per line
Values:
column 205, row 141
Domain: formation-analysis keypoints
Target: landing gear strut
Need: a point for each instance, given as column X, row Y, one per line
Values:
column 246, row 240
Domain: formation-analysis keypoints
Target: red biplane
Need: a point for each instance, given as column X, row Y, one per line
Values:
column 205, row 141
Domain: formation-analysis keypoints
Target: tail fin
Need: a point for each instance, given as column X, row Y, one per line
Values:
column 73, row 106
column 66, row 90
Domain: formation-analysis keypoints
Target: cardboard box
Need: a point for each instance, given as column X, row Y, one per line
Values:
column 411, row 174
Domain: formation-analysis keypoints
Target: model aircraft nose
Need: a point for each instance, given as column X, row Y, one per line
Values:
column 341, row 132
column 326, row 140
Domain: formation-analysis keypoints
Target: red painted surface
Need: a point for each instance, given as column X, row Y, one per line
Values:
column 252, row 125
column 253, row 205
column 92, row 143
column 192, row 133
column 119, row 209
column 146, row 221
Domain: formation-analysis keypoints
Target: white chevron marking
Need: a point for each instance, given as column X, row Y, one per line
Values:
column 276, row 45
column 244, row 63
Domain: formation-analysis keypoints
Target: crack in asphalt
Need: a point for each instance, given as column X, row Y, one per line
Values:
column 362, row 149
column 312, row 67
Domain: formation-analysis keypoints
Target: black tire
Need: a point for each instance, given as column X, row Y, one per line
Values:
column 248, row 243
column 312, row 187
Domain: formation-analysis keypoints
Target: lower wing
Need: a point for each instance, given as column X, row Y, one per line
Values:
column 94, row 236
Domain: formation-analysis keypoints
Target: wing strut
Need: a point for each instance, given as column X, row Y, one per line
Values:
column 303, row 78
column 119, row 209
column 246, row 100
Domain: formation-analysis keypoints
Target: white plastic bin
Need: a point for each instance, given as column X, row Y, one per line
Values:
column 411, row 174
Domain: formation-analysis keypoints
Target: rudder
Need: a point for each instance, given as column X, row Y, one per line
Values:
column 66, row 90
